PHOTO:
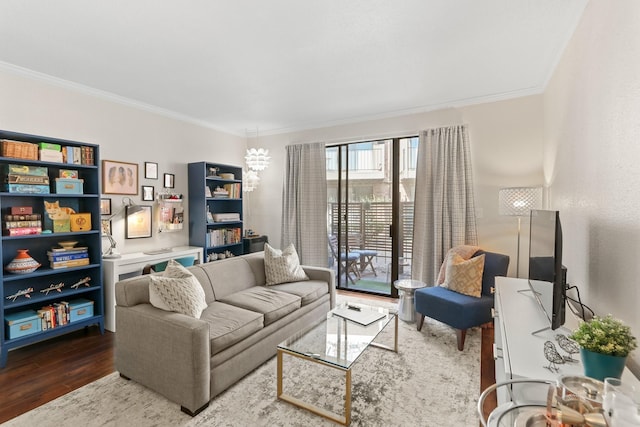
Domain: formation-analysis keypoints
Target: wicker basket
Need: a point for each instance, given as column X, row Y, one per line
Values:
column 19, row 149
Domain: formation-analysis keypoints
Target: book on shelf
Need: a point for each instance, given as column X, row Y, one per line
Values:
column 70, row 263
column 73, row 250
column 23, row 231
column 233, row 190
column 57, row 256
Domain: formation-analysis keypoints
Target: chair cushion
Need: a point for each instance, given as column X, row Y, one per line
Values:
column 494, row 265
column 463, row 276
column 229, row 324
column 452, row 308
column 271, row 303
column 308, row 291
column 177, row 290
column 282, row 266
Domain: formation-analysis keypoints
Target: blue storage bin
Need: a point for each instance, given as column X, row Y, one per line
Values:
column 80, row 309
column 22, row 323
column 69, row 186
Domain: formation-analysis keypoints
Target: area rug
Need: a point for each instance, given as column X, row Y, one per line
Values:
column 427, row 383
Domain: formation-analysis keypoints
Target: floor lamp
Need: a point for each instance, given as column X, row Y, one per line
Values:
column 519, row 201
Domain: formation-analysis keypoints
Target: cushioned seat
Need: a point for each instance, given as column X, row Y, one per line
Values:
column 271, row 303
column 309, row 290
column 458, row 310
column 229, row 324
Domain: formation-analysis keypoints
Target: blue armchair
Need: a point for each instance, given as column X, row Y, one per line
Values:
column 458, row 310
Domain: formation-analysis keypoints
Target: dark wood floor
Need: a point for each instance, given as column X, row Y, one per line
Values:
column 44, row 371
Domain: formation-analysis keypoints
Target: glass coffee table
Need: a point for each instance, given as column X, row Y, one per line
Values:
column 337, row 342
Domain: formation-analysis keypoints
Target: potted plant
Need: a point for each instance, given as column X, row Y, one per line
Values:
column 604, row 343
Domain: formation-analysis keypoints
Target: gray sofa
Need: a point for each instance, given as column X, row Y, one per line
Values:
column 188, row 360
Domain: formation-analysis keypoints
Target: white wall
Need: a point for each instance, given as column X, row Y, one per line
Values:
column 124, row 133
column 592, row 154
column 506, row 148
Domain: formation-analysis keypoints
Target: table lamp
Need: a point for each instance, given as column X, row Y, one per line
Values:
column 132, row 208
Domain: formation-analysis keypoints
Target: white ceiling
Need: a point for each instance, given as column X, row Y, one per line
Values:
column 282, row 65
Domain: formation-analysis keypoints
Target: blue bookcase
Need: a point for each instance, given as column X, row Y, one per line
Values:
column 87, row 278
column 215, row 219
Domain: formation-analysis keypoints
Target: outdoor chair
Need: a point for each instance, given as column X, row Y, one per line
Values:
column 458, row 310
column 347, row 260
column 356, row 244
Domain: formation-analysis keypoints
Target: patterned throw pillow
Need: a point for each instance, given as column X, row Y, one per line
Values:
column 464, row 277
column 282, row 266
column 176, row 289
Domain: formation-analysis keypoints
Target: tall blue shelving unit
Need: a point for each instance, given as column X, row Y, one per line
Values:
column 203, row 175
column 39, row 244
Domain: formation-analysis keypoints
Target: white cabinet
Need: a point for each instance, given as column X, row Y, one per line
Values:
column 517, row 352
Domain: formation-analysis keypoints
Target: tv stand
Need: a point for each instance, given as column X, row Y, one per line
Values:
column 518, row 353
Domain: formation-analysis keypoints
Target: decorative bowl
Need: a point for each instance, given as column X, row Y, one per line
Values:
column 68, row 244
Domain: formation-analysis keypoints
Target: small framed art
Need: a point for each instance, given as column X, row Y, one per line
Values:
column 169, row 180
column 138, row 225
column 150, row 170
column 147, row 193
column 105, row 206
column 106, row 226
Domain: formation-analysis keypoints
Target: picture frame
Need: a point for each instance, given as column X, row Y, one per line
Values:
column 105, row 206
column 150, row 170
column 105, row 227
column 119, row 177
column 138, row 225
column 169, row 180
column 148, row 193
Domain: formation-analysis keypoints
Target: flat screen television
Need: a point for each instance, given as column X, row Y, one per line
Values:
column 547, row 276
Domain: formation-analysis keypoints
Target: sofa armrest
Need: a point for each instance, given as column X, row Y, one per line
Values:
column 165, row 351
column 325, row 275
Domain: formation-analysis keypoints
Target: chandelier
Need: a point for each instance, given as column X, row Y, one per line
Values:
column 257, row 159
column 250, row 181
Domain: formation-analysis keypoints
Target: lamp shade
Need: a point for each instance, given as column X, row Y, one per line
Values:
column 518, row 201
column 257, row 159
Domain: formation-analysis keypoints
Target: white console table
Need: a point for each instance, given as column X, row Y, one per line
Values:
column 129, row 265
column 518, row 354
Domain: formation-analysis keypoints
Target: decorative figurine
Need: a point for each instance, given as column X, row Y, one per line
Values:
column 569, row 346
column 84, row 281
column 53, row 287
column 22, row 292
column 552, row 355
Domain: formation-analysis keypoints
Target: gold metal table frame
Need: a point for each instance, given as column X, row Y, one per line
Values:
column 346, row 418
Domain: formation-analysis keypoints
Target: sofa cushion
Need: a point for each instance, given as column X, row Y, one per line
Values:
column 271, row 303
column 464, row 277
column 176, row 289
column 309, row 291
column 282, row 266
column 229, row 324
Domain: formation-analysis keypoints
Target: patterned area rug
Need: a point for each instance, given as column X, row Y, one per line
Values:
column 428, row 383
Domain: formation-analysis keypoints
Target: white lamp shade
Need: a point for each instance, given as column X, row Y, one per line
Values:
column 257, row 159
column 250, row 181
column 519, row 201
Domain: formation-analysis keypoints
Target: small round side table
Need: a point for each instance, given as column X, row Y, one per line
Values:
column 406, row 306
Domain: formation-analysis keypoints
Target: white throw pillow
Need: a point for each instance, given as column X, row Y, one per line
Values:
column 464, row 277
column 282, row 266
column 176, row 289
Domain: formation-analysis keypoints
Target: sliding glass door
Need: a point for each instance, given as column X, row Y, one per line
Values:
column 370, row 212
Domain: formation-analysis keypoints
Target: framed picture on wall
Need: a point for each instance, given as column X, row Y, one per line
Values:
column 119, row 177
column 105, row 206
column 169, row 180
column 105, row 226
column 138, row 225
column 150, row 170
column 147, row 193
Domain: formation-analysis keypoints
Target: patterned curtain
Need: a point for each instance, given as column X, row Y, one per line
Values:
column 444, row 210
column 304, row 203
